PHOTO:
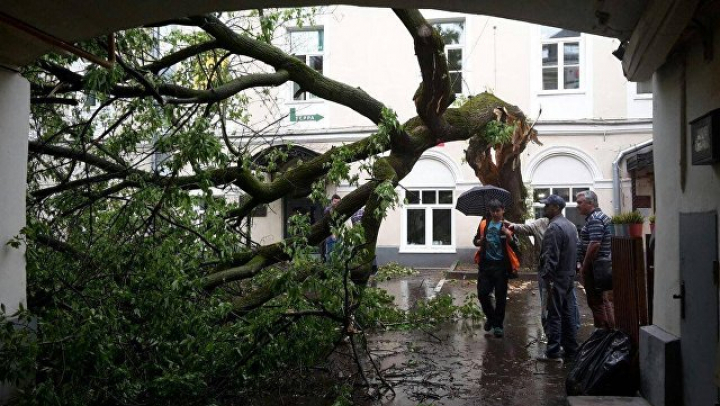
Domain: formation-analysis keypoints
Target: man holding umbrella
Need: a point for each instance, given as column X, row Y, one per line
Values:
column 497, row 259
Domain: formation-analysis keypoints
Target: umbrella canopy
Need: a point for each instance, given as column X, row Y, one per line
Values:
column 475, row 201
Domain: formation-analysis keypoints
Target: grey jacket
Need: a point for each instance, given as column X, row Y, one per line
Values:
column 559, row 250
column 536, row 229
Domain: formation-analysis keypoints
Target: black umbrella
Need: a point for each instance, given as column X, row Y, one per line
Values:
column 475, row 201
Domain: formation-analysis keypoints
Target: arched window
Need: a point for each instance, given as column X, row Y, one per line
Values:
column 297, row 201
column 564, row 175
column 428, row 218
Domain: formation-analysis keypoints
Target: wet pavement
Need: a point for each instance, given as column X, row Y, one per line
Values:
column 457, row 363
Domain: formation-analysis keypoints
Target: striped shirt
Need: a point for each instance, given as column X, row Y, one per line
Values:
column 595, row 230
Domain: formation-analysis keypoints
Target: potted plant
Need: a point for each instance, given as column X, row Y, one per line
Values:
column 651, row 220
column 635, row 220
column 620, row 225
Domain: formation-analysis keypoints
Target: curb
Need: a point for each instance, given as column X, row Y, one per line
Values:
column 453, row 273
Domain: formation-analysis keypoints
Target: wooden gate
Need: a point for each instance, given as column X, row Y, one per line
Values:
column 629, row 285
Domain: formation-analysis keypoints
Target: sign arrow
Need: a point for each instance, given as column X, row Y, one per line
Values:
column 304, row 117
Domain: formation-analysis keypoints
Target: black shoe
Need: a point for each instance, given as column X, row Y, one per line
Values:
column 569, row 357
column 487, row 327
column 553, row 357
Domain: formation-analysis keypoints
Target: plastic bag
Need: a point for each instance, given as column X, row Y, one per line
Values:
column 603, row 366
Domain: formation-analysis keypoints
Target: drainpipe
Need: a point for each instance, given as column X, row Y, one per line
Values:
column 617, row 204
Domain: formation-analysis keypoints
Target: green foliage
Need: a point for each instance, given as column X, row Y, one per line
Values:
column 118, row 252
column 651, row 219
column 497, row 133
column 117, row 313
column 633, row 217
column 393, row 270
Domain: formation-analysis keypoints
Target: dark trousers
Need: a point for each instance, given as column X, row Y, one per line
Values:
column 492, row 277
column 600, row 303
column 544, row 294
column 561, row 325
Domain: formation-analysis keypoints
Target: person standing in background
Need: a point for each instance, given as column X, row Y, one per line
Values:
column 536, row 229
column 497, row 259
column 329, row 244
column 557, row 269
column 594, row 245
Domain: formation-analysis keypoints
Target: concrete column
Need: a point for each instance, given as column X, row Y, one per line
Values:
column 14, row 128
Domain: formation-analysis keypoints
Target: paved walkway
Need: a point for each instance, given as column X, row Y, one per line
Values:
column 459, row 364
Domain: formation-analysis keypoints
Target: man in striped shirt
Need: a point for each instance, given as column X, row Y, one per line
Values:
column 594, row 244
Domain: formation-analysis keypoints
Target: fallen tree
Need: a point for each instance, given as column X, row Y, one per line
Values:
column 138, row 267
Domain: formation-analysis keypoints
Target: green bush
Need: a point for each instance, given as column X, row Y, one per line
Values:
column 393, row 270
column 634, row 217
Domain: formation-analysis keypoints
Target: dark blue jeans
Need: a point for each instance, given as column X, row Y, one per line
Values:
column 561, row 325
column 492, row 276
column 544, row 304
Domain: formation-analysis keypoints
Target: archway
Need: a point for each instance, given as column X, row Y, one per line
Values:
column 298, row 202
column 565, row 172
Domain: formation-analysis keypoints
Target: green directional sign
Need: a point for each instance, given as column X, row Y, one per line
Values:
column 304, row 117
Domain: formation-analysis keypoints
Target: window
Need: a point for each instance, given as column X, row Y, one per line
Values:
column 568, row 194
column 644, row 87
column 307, row 46
column 560, row 59
column 428, row 218
column 453, row 35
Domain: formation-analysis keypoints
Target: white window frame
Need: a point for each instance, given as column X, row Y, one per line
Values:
column 308, row 97
column 428, row 247
column 460, row 45
column 570, row 203
column 642, row 96
column 560, row 67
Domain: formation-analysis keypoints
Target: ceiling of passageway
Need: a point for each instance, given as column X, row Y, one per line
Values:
column 75, row 20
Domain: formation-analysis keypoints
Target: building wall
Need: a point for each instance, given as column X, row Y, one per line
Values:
column 587, row 126
column 14, row 129
column 702, row 183
column 596, row 151
column 609, row 100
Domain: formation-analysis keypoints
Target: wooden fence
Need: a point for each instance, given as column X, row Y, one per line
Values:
column 629, row 285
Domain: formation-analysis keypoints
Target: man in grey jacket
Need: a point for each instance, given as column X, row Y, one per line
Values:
column 557, row 268
column 536, row 229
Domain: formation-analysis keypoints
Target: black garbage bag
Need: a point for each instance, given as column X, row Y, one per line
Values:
column 603, row 366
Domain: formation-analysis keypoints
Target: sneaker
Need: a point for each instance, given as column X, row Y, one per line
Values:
column 487, row 327
column 498, row 332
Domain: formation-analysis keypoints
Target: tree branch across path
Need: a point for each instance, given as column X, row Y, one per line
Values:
column 147, row 272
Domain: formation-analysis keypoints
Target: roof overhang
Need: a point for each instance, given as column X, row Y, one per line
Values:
column 75, row 20
column 658, row 30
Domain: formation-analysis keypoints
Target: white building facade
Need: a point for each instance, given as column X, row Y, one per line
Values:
column 588, row 113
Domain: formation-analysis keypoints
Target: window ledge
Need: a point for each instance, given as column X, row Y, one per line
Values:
column 643, row 97
column 410, row 249
column 304, row 102
column 560, row 92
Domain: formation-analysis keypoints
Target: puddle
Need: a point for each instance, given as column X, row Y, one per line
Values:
column 458, row 363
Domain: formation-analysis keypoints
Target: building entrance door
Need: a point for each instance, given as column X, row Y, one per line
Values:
column 699, row 318
column 300, row 205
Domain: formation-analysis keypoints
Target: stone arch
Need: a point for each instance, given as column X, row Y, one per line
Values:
column 586, row 161
column 419, row 176
column 295, row 152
